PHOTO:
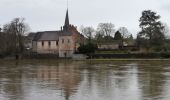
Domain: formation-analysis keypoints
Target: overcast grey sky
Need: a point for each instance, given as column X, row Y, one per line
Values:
column 44, row 15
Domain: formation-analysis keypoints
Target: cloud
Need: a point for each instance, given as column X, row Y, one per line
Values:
column 166, row 7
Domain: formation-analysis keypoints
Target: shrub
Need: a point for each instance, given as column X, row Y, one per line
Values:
column 87, row 48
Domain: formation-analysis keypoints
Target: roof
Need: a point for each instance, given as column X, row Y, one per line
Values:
column 50, row 35
column 31, row 36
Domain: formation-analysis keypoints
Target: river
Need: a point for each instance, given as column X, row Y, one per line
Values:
column 84, row 80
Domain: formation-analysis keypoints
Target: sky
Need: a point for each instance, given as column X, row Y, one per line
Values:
column 49, row 15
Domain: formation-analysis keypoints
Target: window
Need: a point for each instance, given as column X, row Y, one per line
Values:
column 49, row 43
column 56, row 43
column 42, row 43
column 62, row 40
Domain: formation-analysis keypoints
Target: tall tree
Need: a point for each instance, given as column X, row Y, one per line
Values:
column 87, row 32
column 151, row 28
column 0, row 29
column 166, row 31
column 16, row 29
column 118, row 36
column 106, row 30
column 99, row 37
column 124, row 32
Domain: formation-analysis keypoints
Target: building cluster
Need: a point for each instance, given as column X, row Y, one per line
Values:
column 65, row 42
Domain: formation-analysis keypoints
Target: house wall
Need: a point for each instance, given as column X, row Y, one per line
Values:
column 66, row 46
column 109, row 46
column 77, row 37
column 44, row 47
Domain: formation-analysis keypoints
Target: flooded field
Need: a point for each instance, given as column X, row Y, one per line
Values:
column 84, row 80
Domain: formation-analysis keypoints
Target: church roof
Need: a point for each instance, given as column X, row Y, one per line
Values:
column 50, row 35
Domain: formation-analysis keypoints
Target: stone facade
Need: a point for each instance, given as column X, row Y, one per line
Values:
column 66, row 46
column 45, row 47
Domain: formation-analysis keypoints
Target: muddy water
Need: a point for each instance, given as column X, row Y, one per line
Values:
column 83, row 80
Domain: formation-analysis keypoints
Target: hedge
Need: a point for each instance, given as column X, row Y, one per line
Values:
column 126, row 55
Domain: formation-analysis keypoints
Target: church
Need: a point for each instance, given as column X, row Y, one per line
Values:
column 63, row 43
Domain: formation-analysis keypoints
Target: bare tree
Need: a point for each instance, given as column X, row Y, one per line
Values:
column 87, row 32
column 107, row 29
column 99, row 37
column 15, row 31
column 105, row 32
column 124, row 32
column 166, row 31
column 1, row 42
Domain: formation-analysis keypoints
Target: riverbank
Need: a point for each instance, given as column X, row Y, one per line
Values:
column 130, row 56
column 91, row 60
column 100, row 57
column 128, row 59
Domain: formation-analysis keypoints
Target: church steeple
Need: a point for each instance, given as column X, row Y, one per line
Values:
column 66, row 25
column 67, row 19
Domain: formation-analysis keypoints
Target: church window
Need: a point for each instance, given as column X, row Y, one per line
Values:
column 56, row 43
column 42, row 43
column 62, row 40
column 49, row 43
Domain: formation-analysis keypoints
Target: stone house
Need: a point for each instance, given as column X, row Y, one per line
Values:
column 62, row 43
column 114, row 45
column 108, row 46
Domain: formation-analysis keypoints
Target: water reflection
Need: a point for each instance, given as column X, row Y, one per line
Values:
column 152, row 80
column 63, row 77
column 72, row 80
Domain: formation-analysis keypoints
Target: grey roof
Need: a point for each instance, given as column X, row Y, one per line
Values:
column 31, row 36
column 50, row 35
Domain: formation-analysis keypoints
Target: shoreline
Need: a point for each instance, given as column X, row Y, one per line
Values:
column 130, row 59
column 107, row 59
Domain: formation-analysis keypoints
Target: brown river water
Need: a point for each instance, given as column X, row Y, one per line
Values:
column 84, row 80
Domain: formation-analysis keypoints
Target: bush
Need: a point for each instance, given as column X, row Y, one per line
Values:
column 125, row 55
column 87, row 48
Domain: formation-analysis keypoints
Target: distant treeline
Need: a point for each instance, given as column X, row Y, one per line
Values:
column 153, row 36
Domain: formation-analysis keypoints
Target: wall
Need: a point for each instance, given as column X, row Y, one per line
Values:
column 109, row 46
column 53, row 48
column 66, row 46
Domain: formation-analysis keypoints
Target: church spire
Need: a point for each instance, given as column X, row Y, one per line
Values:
column 67, row 19
column 67, row 23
